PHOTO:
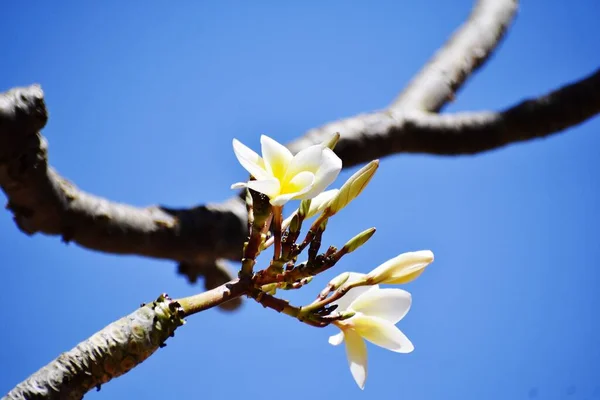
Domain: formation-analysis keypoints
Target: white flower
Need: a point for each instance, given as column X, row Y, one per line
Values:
column 402, row 269
column 377, row 311
column 282, row 176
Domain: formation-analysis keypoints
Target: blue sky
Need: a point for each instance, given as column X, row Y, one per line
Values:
column 144, row 101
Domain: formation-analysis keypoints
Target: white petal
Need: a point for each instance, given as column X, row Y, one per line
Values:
column 317, row 205
column 344, row 302
column 328, row 171
column 336, row 339
column 382, row 333
column 281, row 199
column 277, row 157
column 308, row 159
column 239, row 185
column 321, row 201
column 300, row 183
column 251, row 161
column 270, row 187
column 389, row 304
column 294, row 189
column 356, row 351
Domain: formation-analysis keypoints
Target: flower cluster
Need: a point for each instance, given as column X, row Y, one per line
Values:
column 377, row 311
column 353, row 302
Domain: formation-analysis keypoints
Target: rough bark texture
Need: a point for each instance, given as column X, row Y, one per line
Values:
column 43, row 201
column 369, row 136
column 110, row 353
column 468, row 49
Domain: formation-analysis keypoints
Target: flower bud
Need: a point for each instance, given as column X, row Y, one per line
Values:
column 358, row 240
column 353, row 187
column 401, row 269
column 332, row 141
column 294, row 223
column 339, row 280
column 304, row 208
column 271, row 288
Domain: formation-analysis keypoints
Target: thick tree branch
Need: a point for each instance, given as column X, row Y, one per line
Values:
column 120, row 346
column 468, row 49
column 42, row 201
column 369, row 136
column 109, row 353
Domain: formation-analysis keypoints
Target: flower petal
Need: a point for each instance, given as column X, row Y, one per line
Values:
column 277, row 157
column 344, row 302
column 389, row 304
column 317, row 205
column 382, row 333
column 269, row 187
column 356, row 351
column 328, row 171
column 321, row 201
column 282, row 199
column 300, row 183
column 251, row 161
column 294, row 189
column 336, row 339
column 308, row 159
column 239, row 185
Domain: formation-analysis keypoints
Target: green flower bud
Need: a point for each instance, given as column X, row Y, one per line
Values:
column 352, row 188
column 358, row 240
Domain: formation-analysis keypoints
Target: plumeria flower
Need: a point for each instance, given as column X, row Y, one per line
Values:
column 282, row 176
column 377, row 311
column 401, row 269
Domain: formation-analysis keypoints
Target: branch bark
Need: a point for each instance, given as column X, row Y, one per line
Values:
column 109, row 353
column 120, row 346
column 376, row 135
column 43, row 201
column 467, row 50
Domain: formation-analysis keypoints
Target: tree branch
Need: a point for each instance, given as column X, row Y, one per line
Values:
column 369, row 136
column 467, row 50
column 109, row 353
column 120, row 346
column 43, row 201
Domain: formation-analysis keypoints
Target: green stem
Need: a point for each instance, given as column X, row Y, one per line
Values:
column 219, row 295
column 284, row 307
column 320, row 303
